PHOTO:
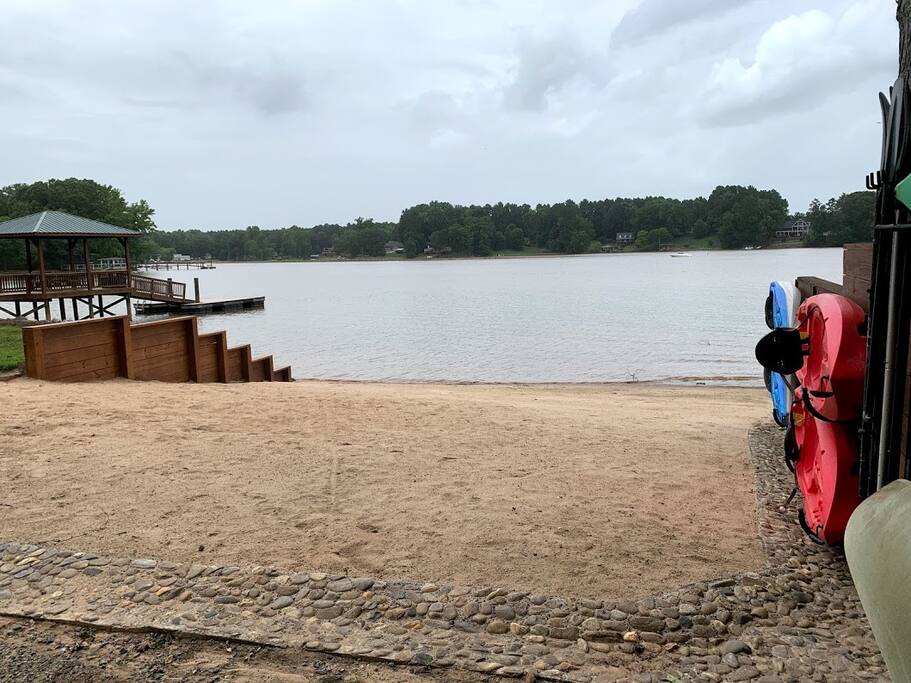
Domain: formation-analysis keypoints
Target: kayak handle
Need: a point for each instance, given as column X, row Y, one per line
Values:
column 802, row 518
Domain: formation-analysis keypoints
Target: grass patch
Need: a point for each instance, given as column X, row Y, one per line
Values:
column 11, row 353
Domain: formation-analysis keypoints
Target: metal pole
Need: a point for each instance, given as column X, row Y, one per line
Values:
column 886, row 412
column 196, row 288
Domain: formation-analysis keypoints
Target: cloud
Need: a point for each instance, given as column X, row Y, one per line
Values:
column 654, row 17
column 800, row 62
column 223, row 112
column 545, row 67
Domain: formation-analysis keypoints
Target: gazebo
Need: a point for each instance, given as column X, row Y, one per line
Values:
column 31, row 291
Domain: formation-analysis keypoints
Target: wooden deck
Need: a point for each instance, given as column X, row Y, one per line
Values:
column 69, row 284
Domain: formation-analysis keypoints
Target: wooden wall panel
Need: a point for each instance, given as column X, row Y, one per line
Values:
column 261, row 370
column 166, row 350
column 857, row 272
column 236, row 361
column 74, row 352
column 161, row 351
column 209, row 358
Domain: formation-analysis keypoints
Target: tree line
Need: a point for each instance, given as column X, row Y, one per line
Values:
column 731, row 217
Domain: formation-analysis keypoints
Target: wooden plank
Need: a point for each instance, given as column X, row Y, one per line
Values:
column 209, row 361
column 163, row 369
column 223, row 357
column 126, row 344
column 169, row 348
column 97, row 332
column 101, row 367
column 177, row 358
column 235, row 363
column 257, row 370
column 56, row 360
column 173, row 329
column 191, row 329
column 811, row 286
column 282, row 374
column 33, row 345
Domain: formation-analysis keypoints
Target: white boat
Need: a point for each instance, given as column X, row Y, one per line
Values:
column 680, row 254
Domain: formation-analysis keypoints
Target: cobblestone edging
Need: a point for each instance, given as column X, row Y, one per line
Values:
column 797, row 619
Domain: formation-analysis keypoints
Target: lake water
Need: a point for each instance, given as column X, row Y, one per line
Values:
column 600, row 318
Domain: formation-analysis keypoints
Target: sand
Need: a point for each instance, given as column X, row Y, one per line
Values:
column 604, row 491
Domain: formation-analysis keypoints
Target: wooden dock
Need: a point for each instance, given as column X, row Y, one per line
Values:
column 201, row 307
column 187, row 264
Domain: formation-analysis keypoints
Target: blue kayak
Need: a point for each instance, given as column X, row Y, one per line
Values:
column 781, row 312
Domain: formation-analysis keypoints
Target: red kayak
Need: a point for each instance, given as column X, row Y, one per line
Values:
column 833, row 370
column 825, row 466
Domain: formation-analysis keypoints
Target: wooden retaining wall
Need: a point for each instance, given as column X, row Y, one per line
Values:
column 169, row 350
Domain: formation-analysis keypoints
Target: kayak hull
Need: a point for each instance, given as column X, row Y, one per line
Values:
column 781, row 312
column 833, row 371
column 826, row 473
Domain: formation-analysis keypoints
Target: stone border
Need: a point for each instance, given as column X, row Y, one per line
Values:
column 797, row 618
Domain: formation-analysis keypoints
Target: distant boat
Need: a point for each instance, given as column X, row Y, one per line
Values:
column 680, row 254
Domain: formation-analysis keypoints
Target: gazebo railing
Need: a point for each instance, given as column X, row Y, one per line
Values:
column 96, row 281
column 165, row 289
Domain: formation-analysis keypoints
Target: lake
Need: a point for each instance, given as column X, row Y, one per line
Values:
column 598, row 318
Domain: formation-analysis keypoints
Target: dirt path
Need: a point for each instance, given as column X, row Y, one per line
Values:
column 608, row 491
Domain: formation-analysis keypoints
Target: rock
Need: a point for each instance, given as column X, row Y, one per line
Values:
column 646, row 623
column 731, row 660
column 139, row 564
column 340, row 586
column 195, row 570
column 280, row 602
column 505, row 612
column 497, row 626
column 362, row 583
column 734, row 646
column 631, row 637
column 226, row 599
column 327, row 612
column 744, row 673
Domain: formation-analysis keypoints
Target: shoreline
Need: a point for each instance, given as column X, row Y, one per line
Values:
column 734, row 382
column 419, row 259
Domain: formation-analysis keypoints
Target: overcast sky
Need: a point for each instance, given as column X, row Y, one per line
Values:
column 227, row 114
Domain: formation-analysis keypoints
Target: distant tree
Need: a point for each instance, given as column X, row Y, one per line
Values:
column 80, row 197
column 841, row 221
column 651, row 240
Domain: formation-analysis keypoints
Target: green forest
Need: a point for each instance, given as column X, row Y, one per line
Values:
column 731, row 217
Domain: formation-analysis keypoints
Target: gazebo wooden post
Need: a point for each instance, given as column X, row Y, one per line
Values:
column 28, row 264
column 69, row 250
column 88, row 273
column 43, row 276
column 126, row 257
column 88, row 263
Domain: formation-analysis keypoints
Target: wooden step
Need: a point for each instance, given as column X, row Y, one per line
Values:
column 282, row 374
column 261, row 369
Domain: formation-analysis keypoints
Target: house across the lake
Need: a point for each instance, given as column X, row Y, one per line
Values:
column 624, row 238
column 393, row 247
column 793, row 230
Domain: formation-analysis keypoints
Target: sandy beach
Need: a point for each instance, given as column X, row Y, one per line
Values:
column 577, row 490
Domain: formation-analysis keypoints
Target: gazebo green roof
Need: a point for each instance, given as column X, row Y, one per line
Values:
column 60, row 224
